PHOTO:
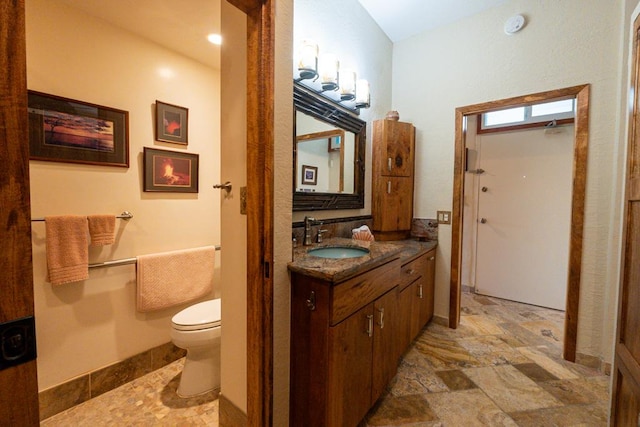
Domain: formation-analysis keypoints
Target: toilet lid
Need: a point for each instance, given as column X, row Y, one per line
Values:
column 203, row 315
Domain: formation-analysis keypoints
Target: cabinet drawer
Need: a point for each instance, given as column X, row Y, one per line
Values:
column 355, row 293
column 413, row 270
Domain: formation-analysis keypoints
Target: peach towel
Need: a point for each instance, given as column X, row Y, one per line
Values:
column 101, row 229
column 172, row 278
column 67, row 245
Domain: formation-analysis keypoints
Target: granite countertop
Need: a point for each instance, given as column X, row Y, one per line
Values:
column 338, row 270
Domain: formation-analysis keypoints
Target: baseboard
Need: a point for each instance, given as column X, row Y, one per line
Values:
column 593, row 362
column 230, row 414
column 73, row 392
column 440, row 320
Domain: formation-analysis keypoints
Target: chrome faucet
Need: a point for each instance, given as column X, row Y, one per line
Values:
column 308, row 221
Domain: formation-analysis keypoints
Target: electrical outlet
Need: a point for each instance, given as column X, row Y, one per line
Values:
column 17, row 342
column 444, row 217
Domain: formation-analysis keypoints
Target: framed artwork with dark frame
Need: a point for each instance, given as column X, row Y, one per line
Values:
column 71, row 131
column 170, row 171
column 172, row 123
column 309, row 175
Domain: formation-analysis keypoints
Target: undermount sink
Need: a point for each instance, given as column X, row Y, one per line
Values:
column 337, row 252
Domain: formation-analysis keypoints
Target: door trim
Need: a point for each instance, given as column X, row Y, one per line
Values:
column 260, row 143
column 581, row 93
column 18, row 384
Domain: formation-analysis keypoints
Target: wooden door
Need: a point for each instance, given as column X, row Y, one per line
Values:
column 18, row 384
column 349, row 378
column 394, row 145
column 385, row 362
column 392, row 203
column 626, row 387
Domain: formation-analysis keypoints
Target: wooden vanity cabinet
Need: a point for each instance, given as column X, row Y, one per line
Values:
column 415, row 297
column 392, row 178
column 342, row 342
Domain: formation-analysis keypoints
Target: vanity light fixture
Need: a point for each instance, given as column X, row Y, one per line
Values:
column 308, row 64
column 328, row 66
column 321, row 73
column 363, row 96
column 347, row 79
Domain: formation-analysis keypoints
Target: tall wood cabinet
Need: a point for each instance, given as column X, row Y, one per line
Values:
column 392, row 178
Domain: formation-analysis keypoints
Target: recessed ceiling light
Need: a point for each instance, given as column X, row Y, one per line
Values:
column 215, row 38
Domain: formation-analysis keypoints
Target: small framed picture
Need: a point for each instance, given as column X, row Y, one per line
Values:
column 66, row 130
column 309, row 175
column 170, row 171
column 172, row 123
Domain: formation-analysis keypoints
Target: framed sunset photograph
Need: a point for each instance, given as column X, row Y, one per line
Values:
column 172, row 123
column 67, row 130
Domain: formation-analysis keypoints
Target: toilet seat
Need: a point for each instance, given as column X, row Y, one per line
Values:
column 203, row 315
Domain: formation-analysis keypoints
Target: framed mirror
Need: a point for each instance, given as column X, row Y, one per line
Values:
column 328, row 154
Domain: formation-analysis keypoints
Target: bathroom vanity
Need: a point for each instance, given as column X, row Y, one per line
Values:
column 351, row 321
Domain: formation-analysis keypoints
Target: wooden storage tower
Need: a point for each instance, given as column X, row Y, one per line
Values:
column 392, row 179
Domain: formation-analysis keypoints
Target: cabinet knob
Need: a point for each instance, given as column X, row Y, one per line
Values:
column 370, row 325
column 420, row 291
column 432, row 258
column 388, row 187
column 483, row 220
column 381, row 321
column 389, row 164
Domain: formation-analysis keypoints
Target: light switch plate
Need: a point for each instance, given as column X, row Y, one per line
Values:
column 444, row 217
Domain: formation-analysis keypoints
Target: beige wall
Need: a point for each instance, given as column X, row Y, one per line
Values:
column 283, row 131
column 87, row 325
column 472, row 61
column 358, row 42
column 234, row 225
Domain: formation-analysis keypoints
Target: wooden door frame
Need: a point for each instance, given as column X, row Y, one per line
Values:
column 18, row 384
column 625, row 364
column 260, row 142
column 580, row 150
column 15, row 234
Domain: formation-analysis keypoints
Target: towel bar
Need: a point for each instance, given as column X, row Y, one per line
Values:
column 124, row 215
column 123, row 261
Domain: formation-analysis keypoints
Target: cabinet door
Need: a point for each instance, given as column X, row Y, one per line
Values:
column 396, row 147
column 385, row 362
column 350, row 364
column 392, row 204
column 426, row 289
column 404, row 338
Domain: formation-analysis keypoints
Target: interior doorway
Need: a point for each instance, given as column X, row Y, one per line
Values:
column 581, row 94
column 517, row 208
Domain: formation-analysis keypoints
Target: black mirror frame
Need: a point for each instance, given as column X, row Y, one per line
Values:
column 326, row 110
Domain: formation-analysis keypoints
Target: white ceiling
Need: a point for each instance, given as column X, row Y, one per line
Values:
column 183, row 25
column 400, row 19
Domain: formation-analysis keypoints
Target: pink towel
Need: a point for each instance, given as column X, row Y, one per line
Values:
column 67, row 246
column 172, row 278
column 101, row 228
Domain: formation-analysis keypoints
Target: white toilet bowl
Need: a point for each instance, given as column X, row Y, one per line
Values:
column 197, row 330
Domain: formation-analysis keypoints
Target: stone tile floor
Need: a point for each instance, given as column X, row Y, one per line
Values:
column 150, row 400
column 501, row 367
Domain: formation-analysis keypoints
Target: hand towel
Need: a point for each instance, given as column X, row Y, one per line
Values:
column 171, row 278
column 67, row 245
column 101, row 229
column 362, row 233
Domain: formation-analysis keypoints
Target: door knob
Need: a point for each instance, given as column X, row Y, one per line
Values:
column 479, row 171
column 483, row 220
column 484, row 189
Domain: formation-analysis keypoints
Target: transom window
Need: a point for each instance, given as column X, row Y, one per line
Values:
column 530, row 115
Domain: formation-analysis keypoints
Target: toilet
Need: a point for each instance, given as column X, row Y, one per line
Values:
column 197, row 330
